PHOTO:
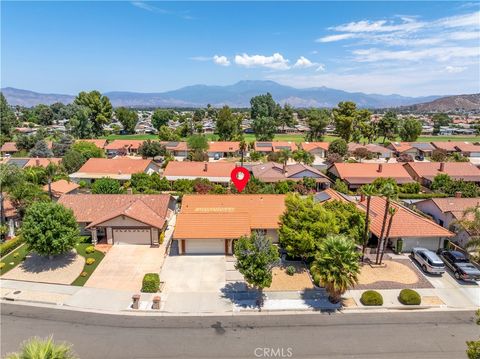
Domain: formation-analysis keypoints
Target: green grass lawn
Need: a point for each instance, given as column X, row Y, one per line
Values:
column 97, row 255
column 14, row 258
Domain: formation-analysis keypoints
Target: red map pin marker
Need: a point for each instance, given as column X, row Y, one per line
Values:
column 240, row 177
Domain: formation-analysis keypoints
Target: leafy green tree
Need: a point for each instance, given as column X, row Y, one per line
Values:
column 41, row 150
column 228, row 125
column 184, row 186
column 350, row 220
column 264, row 128
column 283, row 157
column 263, row 106
column 285, row 117
column 362, row 126
column 50, row 229
column 440, row 119
column 61, row 147
column 73, row 161
column 199, row 115
column 197, row 145
column 10, row 176
column 165, row 133
column 8, row 119
column 24, row 194
column 344, row 117
column 410, row 129
column 36, row 348
column 161, row 117
column 338, row 146
column 256, row 257
column 380, row 182
column 255, row 156
column 106, row 186
column 439, row 155
column 340, row 186
column 317, row 121
column 25, row 142
column 151, row 149
column 443, row 183
column 303, row 156
column 127, row 118
column 43, row 114
column 100, row 109
column 80, row 124
column 388, row 126
column 88, row 149
column 336, row 265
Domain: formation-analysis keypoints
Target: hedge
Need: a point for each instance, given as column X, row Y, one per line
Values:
column 151, row 283
column 421, row 195
column 10, row 245
column 409, row 297
column 371, row 297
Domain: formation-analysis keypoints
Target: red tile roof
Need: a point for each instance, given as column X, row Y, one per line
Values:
column 362, row 173
column 223, row 146
column 401, row 146
column 215, row 171
column 124, row 144
column 467, row 147
column 211, row 225
column 115, row 166
column 310, row 146
column 456, row 170
column 9, row 147
column 61, row 187
column 42, row 162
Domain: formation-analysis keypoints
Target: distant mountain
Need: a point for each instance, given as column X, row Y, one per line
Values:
column 236, row 95
column 450, row 103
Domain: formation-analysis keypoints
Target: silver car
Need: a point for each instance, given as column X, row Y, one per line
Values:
column 428, row 260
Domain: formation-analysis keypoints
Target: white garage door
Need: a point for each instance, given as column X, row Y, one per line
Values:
column 211, row 246
column 131, row 236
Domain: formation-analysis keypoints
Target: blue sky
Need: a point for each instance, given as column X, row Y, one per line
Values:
column 409, row 48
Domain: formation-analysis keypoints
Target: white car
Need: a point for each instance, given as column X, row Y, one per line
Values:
column 428, row 260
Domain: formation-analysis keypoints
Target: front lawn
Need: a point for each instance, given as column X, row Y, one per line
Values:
column 88, row 268
column 14, row 258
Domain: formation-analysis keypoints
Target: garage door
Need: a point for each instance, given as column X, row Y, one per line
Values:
column 213, row 246
column 131, row 236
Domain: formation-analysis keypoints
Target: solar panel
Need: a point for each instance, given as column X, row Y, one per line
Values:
column 264, row 144
column 172, row 144
column 322, row 197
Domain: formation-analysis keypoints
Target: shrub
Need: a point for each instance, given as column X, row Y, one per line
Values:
column 162, row 238
column 82, row 184
column 90, row 261
column 409, row 297
column 90, row 249
column 371, row 297
column 16, row 254
column 10, row 245
column 316, row 280
column 2, row 265
column 151, row 283
column 290, row 270
column 83, row 274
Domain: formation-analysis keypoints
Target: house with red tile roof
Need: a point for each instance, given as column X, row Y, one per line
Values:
column 8, row 148
column 217, row 172
column 121, row 218
column 220, row 149
column 412, row 228
column 61, row 187
column 376, row 151
column 318, row 149
column 123, row 147
column 425, row 172
column 448, row 211
column 358, row 174
column 100, row 143
column 267, row 147
column 24, row 162
column 121, row 168
column 209, row 224
column 468, row 149
column 400, row 148
column 177, row 149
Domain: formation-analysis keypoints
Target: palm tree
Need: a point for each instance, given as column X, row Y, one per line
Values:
column 336, row 265
column 391, row 212
column 35, row 348
column 51, row 171
column 283, row 157
column 243, row 148
column 470, row 222
column 368, row 191
column 388, row 191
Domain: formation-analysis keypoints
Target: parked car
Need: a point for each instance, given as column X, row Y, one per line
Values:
column 460, row 265
column 428, row 260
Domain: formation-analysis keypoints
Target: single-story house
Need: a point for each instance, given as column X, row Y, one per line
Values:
column 223, row 149
column 12, row 218
column 274, row 146
column 468, row 149
column 358, row 174
column 401, row 148
column 210, row 224
column 447, row 211
column 123, row 147
column 100, row 143
column 121, row 168
column 24, row 162
column 425, row 172
column 376, row 150
column 424, row 149
column 448, row 146
column 217, row 172
column 412, row 228
column 8, row 148
column 177, row 149
column 62, row 187
column 318, row 149
column 272, row 172
column 121, row 218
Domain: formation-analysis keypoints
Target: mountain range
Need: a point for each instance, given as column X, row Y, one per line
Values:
column 236, row 95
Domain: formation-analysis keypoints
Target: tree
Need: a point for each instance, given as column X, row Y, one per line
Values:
column 338, row 146
column 283, row 157
column 341, row 186
column 24, row 194
column 36, row 348
column 389, row 192
column 161, row 117
column 41, row 150
column 303, row 156
column 368, row 191
column 100, row 109
column 8, row 119
column 285, row 117
column 10, row 176
column 349, row 219
column 317, row 121
column 439, row 155
column 344, row 117
column 51, row 172
column 127, row 118
column 228, row 125
column 50, row 229
column 73, row 161
column 256, row 257
column 264, row 128
column 473, row 346
column 410, row 129
column 361, row 153
column 470, row 222
column 43, row 114
column 106, row 186
column 243, row 148
column 336, row 265
column 61, row 147
column 151, row 149
column 391, row 212
column 88, row 149
column 443, row 183
column 263, row 106
column 25, row 142
column 165, row 133
column 363, row 126
column 80, row 124
column 198, row 145
column 439, row 119
column 388, row 126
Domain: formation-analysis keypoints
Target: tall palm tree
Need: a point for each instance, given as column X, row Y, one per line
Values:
column 368, row 191
column 283, row 157
column 51, row 171
column 389, row 192
column 391, row 212
column 243, row 149
column 336, row 265
column 470, row 222
column 43, row 348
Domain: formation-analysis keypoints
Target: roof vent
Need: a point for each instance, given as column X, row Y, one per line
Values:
column 442, row 166
column 380, row 167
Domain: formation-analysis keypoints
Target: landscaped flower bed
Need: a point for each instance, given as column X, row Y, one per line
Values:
column 13, row 259
column 88, row 268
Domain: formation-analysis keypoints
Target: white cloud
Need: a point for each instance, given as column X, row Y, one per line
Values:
column 201, row 58
column 332, row 38
column 467, row 20
column 221, row 60
column 455, row 69
column 276, row 61
column 439, row 53
column 303, row 63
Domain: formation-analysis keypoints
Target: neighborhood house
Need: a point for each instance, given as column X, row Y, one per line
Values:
column 425, row 172
column 216, row 172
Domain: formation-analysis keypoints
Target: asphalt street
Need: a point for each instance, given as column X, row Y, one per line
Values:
column 312, row 335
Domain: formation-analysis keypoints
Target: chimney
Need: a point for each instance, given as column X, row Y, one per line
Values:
column 37, row 162
column 458, row 194
column 205, row 169
column 442, row 166
column 362, row 197
column 129, row 191
column 380, row 167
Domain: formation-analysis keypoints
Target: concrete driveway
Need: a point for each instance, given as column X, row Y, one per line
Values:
column 193, row 273
column 125, row 265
